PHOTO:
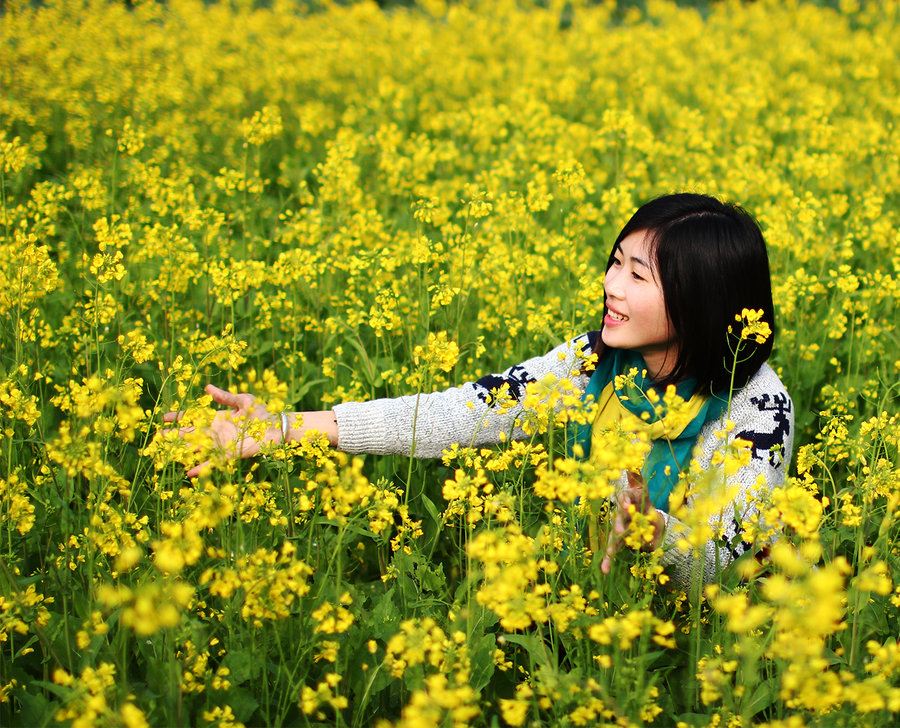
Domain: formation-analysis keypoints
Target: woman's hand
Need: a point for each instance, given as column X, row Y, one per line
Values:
column 634, row 496
column 228, row 426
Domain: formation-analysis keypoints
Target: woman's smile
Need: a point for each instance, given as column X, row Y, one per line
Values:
column 613, row 317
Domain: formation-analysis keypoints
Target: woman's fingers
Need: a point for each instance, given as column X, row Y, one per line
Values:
column 624, row 501
column 241, row 403
column 222, row 396
column 219, row 395
column 635, row 494
column 615, row 538
column 247, row 448
column 622, row 519
column 244, row 448
column 612, row 545
column 180, row 432
column 194, row 472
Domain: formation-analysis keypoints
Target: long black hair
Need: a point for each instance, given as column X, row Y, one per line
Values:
column 712, row 263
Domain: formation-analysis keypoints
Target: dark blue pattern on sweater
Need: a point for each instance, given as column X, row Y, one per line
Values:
column 517, row 377
column 773, row 443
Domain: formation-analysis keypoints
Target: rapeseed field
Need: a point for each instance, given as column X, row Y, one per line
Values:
column 323, row 202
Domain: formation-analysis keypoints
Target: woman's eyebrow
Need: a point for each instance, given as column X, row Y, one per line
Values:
column 617, row 250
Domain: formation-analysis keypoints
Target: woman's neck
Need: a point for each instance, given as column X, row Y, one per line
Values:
column 660, row 365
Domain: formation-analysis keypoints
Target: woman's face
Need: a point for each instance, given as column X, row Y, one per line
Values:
column 636, row 311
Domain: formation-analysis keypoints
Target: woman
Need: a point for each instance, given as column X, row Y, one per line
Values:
column 681, row 269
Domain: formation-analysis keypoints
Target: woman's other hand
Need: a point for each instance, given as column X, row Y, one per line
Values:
column 630, row 501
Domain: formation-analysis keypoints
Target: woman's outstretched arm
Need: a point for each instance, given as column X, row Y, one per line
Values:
column 420, row 425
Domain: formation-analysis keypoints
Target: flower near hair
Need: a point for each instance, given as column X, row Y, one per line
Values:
column 752, row 325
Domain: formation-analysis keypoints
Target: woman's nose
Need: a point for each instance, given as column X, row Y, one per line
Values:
column 611, row 285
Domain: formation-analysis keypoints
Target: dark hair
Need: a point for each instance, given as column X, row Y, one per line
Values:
column 712, row 263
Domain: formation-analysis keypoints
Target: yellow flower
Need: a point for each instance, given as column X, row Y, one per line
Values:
column 514, row 710
column 752, row 325
column 181, row 547
column 133, row 717
column 151, row 607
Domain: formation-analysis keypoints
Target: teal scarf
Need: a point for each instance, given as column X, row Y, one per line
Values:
column 675, row 453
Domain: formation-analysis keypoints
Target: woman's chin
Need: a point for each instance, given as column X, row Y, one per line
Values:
column 609, row 338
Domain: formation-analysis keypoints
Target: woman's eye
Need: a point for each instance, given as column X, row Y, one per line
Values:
column 637, row 277
column 616, row 261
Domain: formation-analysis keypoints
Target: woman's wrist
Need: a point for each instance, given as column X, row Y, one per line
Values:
column 274, row 429
column 324, row 421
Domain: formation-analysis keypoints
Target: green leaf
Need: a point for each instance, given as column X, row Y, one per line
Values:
column 533, row 645
column 242, row 703
column 384, row 616
column 763, row 697
column 481, row 652
column 243, row 667
column 436, row 524
column 431, row 576
column 59, row 690
column 300, row 391
column 35, row 710
column 696, row 720
column 366, row 366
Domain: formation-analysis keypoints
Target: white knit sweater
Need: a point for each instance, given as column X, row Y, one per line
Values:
column 762, row 412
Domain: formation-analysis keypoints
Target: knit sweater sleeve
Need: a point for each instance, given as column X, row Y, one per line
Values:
column 423, row 425
column 763, row 414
